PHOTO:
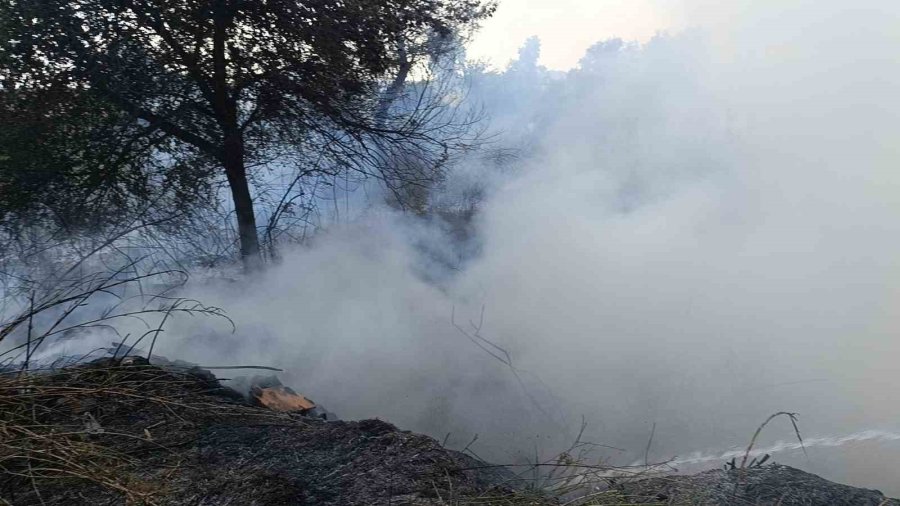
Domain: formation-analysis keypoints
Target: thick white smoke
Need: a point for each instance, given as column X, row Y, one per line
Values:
column 698, row 232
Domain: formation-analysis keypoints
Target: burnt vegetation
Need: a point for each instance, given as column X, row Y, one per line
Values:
column 115, row 431
column 143, row 142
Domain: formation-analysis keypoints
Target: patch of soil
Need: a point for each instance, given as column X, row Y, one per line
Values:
column 181, row 438
column 769, row 485
column 127, row 432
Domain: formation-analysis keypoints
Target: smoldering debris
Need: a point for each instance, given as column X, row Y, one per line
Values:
column 166, row 435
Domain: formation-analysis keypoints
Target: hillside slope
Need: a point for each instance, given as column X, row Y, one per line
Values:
column 127, row 432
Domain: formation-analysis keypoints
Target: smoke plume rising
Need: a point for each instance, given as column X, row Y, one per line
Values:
column 697, row 232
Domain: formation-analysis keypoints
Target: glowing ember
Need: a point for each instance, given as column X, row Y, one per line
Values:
column 281, row 398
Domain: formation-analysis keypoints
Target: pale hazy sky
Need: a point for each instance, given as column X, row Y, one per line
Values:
column 567, row 27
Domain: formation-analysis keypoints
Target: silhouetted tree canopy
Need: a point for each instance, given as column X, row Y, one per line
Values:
column 103, row 102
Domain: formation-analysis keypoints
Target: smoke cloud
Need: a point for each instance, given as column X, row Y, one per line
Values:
column 697, row 232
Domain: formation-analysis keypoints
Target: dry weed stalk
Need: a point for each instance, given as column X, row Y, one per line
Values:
column 791, row 416
column 49, row 434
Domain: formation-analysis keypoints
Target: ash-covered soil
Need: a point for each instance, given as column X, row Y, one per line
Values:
column 114, row 432
column 771, row 485
column 107, row 434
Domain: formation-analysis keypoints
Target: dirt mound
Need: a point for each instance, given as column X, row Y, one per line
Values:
column 127, row 432
column 761, row 486
column 107, row 433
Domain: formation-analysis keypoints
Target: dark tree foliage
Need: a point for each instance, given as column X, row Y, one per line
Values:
column 82, row 164
column 106, row 100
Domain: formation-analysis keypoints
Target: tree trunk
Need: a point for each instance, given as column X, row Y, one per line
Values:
column 243, row 204
column 226, row 109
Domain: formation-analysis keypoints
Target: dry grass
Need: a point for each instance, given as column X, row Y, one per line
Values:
column 37, row 450
column 575, row 478
column 49, row 438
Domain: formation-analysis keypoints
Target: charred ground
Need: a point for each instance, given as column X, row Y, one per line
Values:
column 127, row 432
column 108, row 433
